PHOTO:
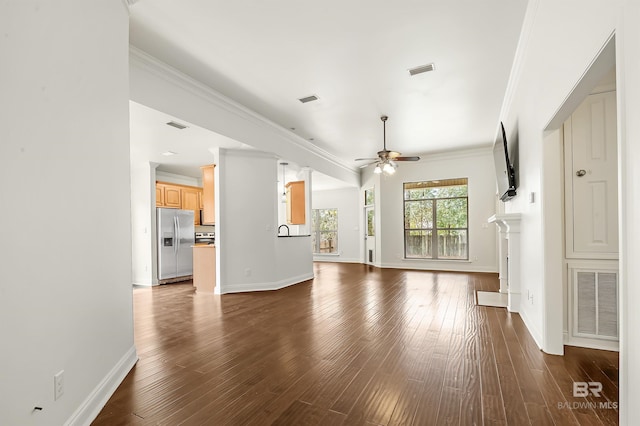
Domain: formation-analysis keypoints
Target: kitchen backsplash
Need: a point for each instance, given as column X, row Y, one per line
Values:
column 205, row 228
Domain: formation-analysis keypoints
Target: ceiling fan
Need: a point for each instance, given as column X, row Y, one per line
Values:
column 386, row 160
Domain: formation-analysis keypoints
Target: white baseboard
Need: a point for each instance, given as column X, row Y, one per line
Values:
column 97, row 399
column 335, row 259
column 452, row 266
column 583, row 342
column 145, row 284
column 276, row 285
column 535, row 333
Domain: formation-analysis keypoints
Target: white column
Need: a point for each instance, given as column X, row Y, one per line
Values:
column 509, row 257
column 513, row 237
column 502, row 253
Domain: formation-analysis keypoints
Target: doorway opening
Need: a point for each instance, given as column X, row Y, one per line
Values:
column 581, row 229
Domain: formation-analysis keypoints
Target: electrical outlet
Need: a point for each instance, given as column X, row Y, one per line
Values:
column 58, row 385
column 247, row 272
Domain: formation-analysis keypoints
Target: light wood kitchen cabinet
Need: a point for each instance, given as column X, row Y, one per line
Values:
column 295, row 203
column 177, row 196
column 172, row 196
column 204, row 268
column 191, row 201
column 208, row 195
column 159, row 195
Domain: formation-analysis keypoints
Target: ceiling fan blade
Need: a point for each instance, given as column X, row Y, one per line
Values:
column 368, row 164
column 406, row 158
column 365, row 159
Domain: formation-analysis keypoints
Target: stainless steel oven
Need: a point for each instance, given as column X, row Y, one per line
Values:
column 205, row 238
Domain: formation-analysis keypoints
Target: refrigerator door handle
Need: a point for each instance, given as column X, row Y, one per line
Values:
column 175, row 235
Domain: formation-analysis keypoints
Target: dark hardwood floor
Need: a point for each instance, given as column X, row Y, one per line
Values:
column 355, row 346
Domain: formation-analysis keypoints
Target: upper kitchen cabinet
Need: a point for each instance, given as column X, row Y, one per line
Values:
column 159, row 195
column 208, row 195
column 295, row 203
column 191, row 201
column 170, row 195
column 176, row 196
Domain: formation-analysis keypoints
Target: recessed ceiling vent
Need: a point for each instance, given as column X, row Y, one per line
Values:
column 176, row 125
column 308, row 99
column 422, row 68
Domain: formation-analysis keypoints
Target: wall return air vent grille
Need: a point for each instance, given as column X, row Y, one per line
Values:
column 596, row 304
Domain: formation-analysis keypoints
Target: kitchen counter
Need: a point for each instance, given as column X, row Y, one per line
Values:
column 204, row 268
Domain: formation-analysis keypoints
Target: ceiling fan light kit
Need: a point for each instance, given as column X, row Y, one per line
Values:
column 386, row 161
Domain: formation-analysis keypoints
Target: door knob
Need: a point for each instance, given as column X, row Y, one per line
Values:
column 581, row 173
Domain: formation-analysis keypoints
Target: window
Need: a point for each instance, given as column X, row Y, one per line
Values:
column 369, row 197
column 324, row 235
column 436, row 219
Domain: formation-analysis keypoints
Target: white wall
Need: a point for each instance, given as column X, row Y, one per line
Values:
column 143, row 222
column 628, row 78
column 555, row 51
column 65, row 300
column 559, row 44
column 250, row 256
column 477, row 166
column 178, row 179
column 347, row 201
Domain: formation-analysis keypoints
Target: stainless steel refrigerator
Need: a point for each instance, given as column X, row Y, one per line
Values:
column 175, row 238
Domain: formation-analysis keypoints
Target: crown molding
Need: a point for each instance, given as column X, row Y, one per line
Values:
column 237, row 152
column 180, row 79
column 519, row 58
column 461, row 153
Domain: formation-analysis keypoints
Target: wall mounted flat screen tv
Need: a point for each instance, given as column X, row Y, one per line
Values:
column 505, row 172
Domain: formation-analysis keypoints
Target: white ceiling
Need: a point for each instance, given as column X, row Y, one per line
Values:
column 193, row 147
column 354, row 55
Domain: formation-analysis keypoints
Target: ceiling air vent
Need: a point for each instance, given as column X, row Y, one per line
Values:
column 422, row 68
column 176, row 125
column 308, row 99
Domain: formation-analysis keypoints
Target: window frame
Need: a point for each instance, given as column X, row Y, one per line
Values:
column 315, row 219
column 434, row 229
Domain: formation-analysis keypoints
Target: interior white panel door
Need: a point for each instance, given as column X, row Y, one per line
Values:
column 592, row 184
